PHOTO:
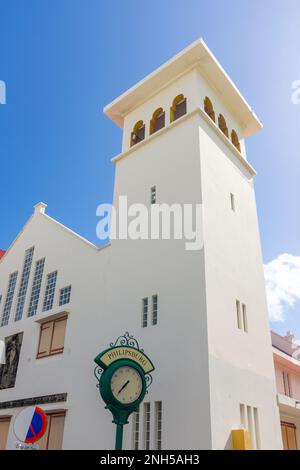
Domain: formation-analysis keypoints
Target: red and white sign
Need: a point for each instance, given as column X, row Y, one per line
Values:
column 30, row 424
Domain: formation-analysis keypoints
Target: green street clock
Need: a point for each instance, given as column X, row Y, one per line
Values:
column 123, row 372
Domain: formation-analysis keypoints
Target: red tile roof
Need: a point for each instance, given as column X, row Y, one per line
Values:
column 2, row 253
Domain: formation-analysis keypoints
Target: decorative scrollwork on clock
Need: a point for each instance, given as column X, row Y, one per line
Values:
column 97, row 373
column 126, row 340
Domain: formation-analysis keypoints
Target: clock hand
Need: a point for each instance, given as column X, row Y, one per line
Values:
column 122, row 388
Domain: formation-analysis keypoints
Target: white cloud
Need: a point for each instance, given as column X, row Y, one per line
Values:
column 282, row 277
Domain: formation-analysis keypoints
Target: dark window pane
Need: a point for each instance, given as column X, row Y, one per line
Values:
column 140, row 134
column 159, row 123
column 180, row 109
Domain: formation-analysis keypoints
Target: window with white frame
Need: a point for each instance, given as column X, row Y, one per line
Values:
column 50, row 291
column 154, row 309
column 36, row 287
column 24, row 283
column 145, row 312
column 9, row 298
column 65, row 295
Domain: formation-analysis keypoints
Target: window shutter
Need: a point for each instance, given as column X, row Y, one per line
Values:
column 4, row 428
column 291, row 437
column 53, row 437
column 58, row 335
column 45, row 339
column 42, row 443
column 284, row 437
column 56, row 432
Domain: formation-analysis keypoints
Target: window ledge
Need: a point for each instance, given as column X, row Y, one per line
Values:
column 289, row 404
column 197, row 111
column 52, row 314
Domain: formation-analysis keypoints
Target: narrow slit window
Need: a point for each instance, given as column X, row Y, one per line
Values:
column 243, row 416
column 245, row 320
column 287, row 384
column 232, row 202
column 158, row 425
column 154, row 309
column 250, row 421
column 145, row 312
column 153, row 195
column 9, row 298
column 257, row 428
column 136, row 429
column 146, row 426
column 50, row 291
column 241, row 315
column 24, row 283
column 289, row 388
column 238, row 315
column 36, row 287
column 251, row 426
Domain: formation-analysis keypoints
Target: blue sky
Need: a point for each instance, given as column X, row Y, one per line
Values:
column 63, row 60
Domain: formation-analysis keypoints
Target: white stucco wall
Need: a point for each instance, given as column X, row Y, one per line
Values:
column 241, row 365
column 142, row 268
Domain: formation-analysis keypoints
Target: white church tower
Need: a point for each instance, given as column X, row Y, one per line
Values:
column 201, row 314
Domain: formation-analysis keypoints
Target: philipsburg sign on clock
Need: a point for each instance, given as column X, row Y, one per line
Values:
column 123, row 372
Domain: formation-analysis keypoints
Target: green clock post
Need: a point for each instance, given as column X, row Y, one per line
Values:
column 123, row 372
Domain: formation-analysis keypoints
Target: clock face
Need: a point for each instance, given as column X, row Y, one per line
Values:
column 126, row 384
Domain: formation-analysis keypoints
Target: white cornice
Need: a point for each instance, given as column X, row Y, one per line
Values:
column 197, row 54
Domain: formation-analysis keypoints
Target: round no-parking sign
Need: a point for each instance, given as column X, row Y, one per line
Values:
column 30, row 424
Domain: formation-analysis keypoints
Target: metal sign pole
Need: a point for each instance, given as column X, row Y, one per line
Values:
column 119, row 437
